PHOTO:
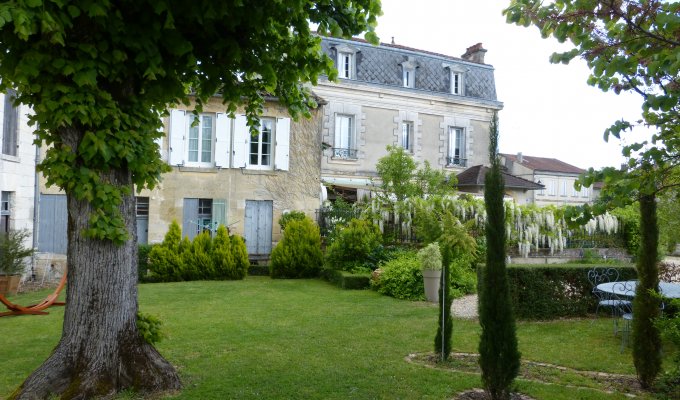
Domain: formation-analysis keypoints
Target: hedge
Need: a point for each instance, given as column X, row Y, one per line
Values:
column 347, row 280
column 545, row 292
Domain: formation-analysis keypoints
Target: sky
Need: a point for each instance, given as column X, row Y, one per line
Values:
column 549, row 109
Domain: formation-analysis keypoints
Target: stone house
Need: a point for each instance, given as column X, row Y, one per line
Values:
column 436, row 106
column 556, row 176
column 221, row 174
column 17, row 168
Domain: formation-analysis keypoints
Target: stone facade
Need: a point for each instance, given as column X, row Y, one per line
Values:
column 17, row 169
column 383, row 88
column 296, row 188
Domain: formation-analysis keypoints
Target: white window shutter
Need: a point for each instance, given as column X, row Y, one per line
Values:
column 282, row 150
column 178, row 126
column 222, row 140
column 241, row 133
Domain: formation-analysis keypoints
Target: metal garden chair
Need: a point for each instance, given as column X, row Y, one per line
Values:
column 623, row 292
column 597, row 276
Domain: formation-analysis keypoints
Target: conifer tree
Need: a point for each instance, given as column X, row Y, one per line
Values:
column 499, row 357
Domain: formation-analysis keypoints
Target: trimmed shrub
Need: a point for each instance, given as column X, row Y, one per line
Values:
column 545, row 292
column 347, row 280
column 290, row 216
column 354, row 247
column 223, row 260
column 298, row 254
column 143, row 251
column 197, row 260
column 401, row 278
column 165, row 261
column 241, row 261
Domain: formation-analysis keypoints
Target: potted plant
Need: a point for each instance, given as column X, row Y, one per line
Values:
column 431, row 265
column 13, row 255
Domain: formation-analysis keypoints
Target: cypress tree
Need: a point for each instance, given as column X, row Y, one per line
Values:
column 646, row 336
column 442, row 340
column 499, row 357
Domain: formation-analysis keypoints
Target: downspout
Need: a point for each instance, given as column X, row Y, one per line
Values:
column 36, row 210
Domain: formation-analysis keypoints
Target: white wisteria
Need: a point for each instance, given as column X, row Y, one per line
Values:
column 528, row 227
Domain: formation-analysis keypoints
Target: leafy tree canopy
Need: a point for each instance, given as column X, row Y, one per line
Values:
column 100, row 74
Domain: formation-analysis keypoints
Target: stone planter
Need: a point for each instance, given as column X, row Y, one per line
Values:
column 431, row 278
column 9, row 284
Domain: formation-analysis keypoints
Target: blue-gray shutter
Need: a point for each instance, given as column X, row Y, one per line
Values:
column 219, row 213
column 52, row 224
column 190, row 218
column 10, row 125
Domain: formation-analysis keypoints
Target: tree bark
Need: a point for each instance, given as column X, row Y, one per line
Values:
column 101, row 351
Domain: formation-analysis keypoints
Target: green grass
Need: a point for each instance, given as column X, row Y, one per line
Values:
column 293, row 339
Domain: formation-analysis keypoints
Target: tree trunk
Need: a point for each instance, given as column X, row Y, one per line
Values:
column 100, row 352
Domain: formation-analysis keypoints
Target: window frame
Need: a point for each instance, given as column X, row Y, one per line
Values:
column 260, row 144
column 340, row 151
column 409, row 77
column 407, row 133
column 5, row 211
column 456, row 82
column 200, row 140
column 346, row 65
column 457, row 141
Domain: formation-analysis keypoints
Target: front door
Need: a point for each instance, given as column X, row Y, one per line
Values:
column 258, row 226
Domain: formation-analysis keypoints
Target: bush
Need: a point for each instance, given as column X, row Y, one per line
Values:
column 463, row 276
column 223, row 260
column 353, row 247
column 178, row 258
column 13, row 253
column 430, row 257
column 346, row 280
column 143, row 251
column 544, row 292
column 241, row 261
column 290, row 216
column 298, row 255
column 401, row 278
column 149, row 328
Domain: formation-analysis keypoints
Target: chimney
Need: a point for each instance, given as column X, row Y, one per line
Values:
column 520, row 158
column 475, row 54
column 392, row 39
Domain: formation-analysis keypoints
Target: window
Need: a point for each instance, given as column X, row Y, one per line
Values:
column 260, row 148
column 4, row 212
column 407, row 135
column 456, row 82
column 346, row 65
column 344, row 137
column 456, row 154
column 202, row 215
column 550, row 187
column 200, row 139
column 564, row 188
column 409, row 77
column 10, row 125
column 142, row 209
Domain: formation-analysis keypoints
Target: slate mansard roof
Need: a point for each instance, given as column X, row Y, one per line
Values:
column 381, row 65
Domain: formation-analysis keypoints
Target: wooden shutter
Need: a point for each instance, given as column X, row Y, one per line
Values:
column 190, row 218
column 282, row 150
column 178, row 127
column 222, row 140
column 219, row 213
column 241, row 133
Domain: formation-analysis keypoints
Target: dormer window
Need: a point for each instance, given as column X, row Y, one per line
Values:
column 457, row 78
column 409, row 73
column 346, row 61
column 456, row 81
column 409, row 77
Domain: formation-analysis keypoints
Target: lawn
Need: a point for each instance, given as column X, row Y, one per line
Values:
column 294, row 339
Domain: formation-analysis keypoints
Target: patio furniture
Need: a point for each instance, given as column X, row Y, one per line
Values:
column 599, row 276
column 624, row 292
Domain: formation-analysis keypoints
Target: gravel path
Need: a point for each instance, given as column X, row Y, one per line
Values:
column 465, row 307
